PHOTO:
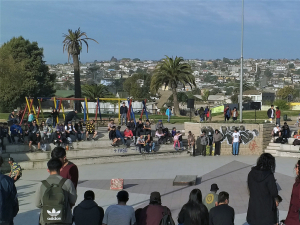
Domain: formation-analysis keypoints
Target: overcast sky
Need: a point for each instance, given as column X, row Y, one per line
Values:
column 151, row 29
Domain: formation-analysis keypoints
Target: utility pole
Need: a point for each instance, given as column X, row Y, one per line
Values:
column 241, row 75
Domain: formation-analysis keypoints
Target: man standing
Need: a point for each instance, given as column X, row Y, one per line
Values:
column 123, row 112
column 222, row 214
column 169, row 113
column 9, row 205
column 211, row 199
column 68, row 170
column 70, row 116
column 227, row 113
column 203, row 143
column 278, row 114
column 51, row 192
column 120, row 214
column 15, row 169
column 271, row 113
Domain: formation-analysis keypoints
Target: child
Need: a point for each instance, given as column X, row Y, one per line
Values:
column 173, row 132
column 176, row 140
column 278, row 199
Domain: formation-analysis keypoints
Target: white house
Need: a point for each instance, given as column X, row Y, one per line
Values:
column 255, row 95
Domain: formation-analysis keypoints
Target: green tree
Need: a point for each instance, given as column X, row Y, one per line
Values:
column 170, row 72
column 268, row 73
column 210, row 78
column 134, row 88
column 282, row 104
column 181, row 96
column 283, row 93
column 73, row 46
column 291, row 66
column 68, row 85
column 247, row 99
column 95, row 91
column 234, row 98
column 205, row 95
column 23, row 73
column 226, row 60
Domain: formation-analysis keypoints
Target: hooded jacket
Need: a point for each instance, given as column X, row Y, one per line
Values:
column 9, row 206
column 263, row 190
column 88, row 212
column 293, row 214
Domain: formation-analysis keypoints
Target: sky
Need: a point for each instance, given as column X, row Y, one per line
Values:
column 195, row 29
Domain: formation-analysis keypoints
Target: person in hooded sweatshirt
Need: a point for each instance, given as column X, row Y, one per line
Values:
column 263, row 191
column 88, row 212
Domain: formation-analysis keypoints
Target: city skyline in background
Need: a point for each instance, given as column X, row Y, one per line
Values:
column 153, row 29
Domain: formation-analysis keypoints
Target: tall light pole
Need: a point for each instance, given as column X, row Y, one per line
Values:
column 241, row 75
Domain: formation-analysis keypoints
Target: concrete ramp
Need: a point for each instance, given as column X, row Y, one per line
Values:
column 164, row 97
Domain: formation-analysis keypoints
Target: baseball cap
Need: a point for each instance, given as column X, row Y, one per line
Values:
column 69, row 122
column 11, row 159
column 214, row 187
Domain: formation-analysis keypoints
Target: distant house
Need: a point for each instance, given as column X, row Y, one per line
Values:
column 255, row 95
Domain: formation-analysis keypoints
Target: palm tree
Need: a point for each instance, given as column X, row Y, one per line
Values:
column 73, row 45
column 95, row 91
column 170, row 72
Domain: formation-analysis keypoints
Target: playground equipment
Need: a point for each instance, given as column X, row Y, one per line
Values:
column 58, row 105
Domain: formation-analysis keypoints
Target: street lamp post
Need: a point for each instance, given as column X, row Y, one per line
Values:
column 241, row 75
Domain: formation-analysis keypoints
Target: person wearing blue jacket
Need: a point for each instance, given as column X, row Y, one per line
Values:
column 169, row 113
column 16, row 131
column 9, row 205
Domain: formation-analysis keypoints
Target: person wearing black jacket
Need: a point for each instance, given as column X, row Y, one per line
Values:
column 123, row 112
column 88, row 212
column 271, row 113
column 9, row 205
column 54, row 116
column 139, row 128
column 263, row 190
column 285, row 131
column 70, row 116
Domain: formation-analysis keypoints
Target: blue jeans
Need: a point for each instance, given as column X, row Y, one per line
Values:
column 235, row 148
column 169, row 117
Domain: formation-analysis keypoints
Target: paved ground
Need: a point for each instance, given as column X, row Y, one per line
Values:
column 143, row 177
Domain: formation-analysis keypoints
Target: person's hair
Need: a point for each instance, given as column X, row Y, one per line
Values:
column 216, row 130
column 236, row 129
column 140, row 119
column 266, row 162
column 272, row 105
column 278, row 199
column 123, row 196
column 54, row 164
column 223, row 196
column 123, row 102
column 174, row 128
column 58, row 152
column 1, row 161
column 277, row 107
column 298, row 176
column 119, row 127
column 89, row 195
column 194, row 206
column 204, row 132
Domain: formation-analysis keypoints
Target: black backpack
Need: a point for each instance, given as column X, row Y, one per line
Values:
column 167, row 219
column 54, row 203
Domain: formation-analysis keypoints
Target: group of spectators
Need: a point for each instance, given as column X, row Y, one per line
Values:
column 213, row 209
column 204, row 114
column 281, row 134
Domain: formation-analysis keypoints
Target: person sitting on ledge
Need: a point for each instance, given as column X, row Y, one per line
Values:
column 161, row 136
column 90, row 130
column 147, row 128
column 119, row 135
column 159, row 125
column 110, row 125
column 285, row 131
column 128, row 135
column 276, row 132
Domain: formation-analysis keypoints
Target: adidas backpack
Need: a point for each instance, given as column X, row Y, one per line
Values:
column 54, row 203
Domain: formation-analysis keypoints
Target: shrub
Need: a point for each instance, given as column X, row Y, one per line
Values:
column 282, row 104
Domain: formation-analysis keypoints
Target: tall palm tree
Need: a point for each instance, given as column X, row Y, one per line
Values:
column 73, row 46
column 170, row 72
column 95, row 91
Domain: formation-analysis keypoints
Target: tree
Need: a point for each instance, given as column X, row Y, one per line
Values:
column 282, row 104
column 215, row 91
column 68, row 85
column 268, row 73
column 205, row 95
column 181, row 96
column 23, row 73
column 210, row 78
column 73, row 45
column 134, row 88
column 247, row 99
column 291, row 65
column 226, row 60
column 95, row 91
column 234, row 98
column 283, row 93
column 170, row 72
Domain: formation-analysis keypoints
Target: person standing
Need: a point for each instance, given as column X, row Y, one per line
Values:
column 234, row 114
column 191, row 141
column 293, row 213
column 203, row 143
column 222, row 214
column 88, row 212
column 271, row 113
column 53, row 189
column 206, row 113
column 15, row 169
column 278, row 114
column 30, row 118
column 153, row 213
column 54, row 117
column 211, row 199
column 120, row 214
column 217, row 138
column 194, row 211
column 210, row 142
column 169, row 113
column 9, row 205
column 227, row 113
column 236, row 137
column 68, row 170
column 70, row 116
column 263, row 191
column 123, row 112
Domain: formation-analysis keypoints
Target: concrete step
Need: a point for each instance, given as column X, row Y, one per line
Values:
column 42, row 164
column 274, row 144
column 273, row 147
column 287, row 147
column 288, row 154
column 272, row 152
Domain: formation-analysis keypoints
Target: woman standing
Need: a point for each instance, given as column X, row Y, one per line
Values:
column 217, row 138
column 293, row 214
column 234, row 114
column 263, row 190
column 194, row 211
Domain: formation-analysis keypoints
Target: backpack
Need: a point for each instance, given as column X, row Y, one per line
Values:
column 167, row 219
column 54, row 203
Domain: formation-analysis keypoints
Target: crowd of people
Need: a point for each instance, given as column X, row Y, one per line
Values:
column 56, row 198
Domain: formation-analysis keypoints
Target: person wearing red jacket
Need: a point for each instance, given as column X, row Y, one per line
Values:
column 128, row 135
column 278, row 113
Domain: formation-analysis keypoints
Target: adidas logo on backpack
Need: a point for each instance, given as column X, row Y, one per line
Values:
column 54, row 214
